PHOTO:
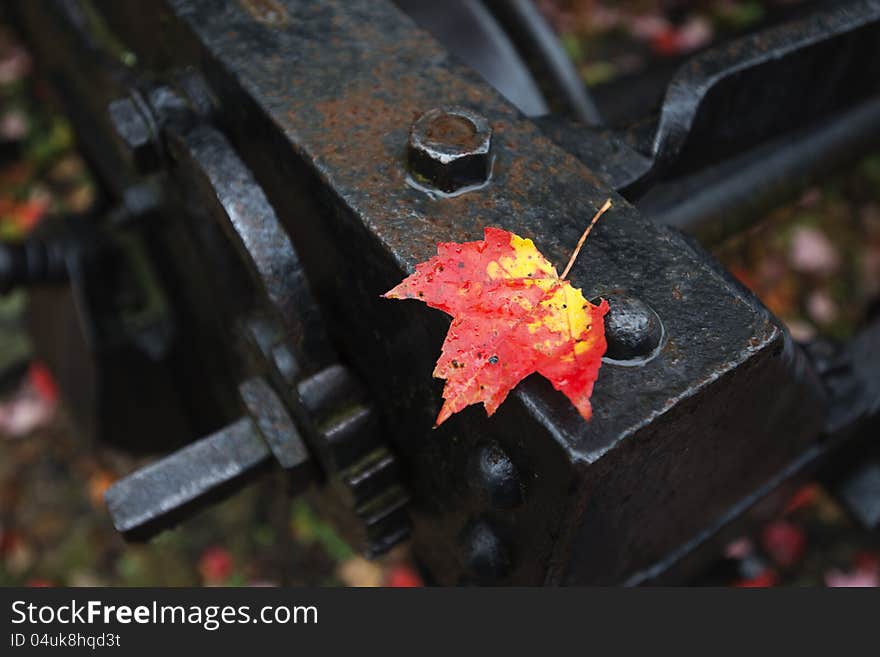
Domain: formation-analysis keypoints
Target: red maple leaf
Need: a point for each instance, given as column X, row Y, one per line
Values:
column 512, row 315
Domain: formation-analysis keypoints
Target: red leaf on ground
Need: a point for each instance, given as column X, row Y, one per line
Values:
column 867, row 561
column 853, row 579
column 765, row 579
column 403, row 576
column 98, row 483
column 39, row 583
column 784, row 542
column 803, row 497
column 9, row 541
column 215, row 565
column 666, row 43
column 43, row 382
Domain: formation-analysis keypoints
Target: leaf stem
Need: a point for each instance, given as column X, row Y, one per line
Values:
column 583, row 238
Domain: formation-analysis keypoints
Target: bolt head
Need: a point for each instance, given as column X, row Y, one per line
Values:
column 450, row 148
column 496, row 477
column 632, row 329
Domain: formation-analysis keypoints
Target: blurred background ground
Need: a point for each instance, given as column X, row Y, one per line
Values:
column 815, row 263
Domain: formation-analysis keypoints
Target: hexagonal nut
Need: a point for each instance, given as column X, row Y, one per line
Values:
column 450, row 148
column 135, row 134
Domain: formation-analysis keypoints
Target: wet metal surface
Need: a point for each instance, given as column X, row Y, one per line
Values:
column 278, row 430
column 247, row 216
column 765, row 84
column 317, row 108
column 350, row 132
column 157, row 496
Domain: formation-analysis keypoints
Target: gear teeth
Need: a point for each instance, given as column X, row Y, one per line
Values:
column 349, row 436
column 386, row 520
column 324, row 392
column 348, row 443
column 370, row 476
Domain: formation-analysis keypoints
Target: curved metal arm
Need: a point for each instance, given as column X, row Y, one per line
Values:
column 205, row 159
column 541, row 47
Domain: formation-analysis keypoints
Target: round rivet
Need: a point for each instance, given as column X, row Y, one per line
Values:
column 485, row 556
column 632, row 329
column 496, row 477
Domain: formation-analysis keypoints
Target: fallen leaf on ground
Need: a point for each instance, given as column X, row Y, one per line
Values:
column 804, row 497
column 98, row 483
column 857, row 578
column 739, row 549
column 43, row 382
column 784, row 542
column 812, row 252
column 215, row 565
column 24, row 411
column 359, row 572
column 39, row 583
column 403, row 576
column 821, row 307
column 763, row 580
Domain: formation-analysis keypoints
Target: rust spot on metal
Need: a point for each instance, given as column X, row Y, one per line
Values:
column 268, row 12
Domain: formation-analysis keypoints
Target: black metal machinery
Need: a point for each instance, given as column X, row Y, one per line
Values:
column 270, row 180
